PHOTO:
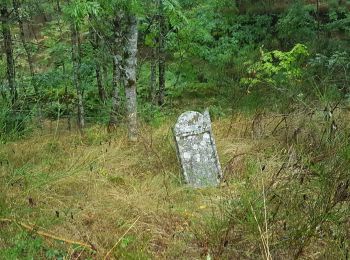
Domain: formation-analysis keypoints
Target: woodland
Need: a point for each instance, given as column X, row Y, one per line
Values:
column 91, row 89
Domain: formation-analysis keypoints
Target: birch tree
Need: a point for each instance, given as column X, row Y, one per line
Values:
column 130, row 57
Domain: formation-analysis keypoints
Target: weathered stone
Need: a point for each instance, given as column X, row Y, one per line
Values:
column 196, row 149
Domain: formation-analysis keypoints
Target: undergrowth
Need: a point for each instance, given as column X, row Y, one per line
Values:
column 285, row 193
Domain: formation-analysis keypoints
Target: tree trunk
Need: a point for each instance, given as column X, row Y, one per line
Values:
column 161, row 57
column 101, row 90
column 117, row 71
column 24, row 43
column 76, row 59
column 130, row 76
column 95, row 43
column 115, row 111
column 8, row 48
column 105, row 72
column 153, row 77
column 59, row 10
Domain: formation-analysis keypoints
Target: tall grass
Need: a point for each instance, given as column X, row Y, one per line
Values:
column 293, row 199
column 285, row 192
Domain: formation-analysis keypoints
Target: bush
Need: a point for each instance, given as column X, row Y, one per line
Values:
column 13, row 123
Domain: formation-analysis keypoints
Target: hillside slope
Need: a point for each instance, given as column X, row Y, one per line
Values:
column 103, row 191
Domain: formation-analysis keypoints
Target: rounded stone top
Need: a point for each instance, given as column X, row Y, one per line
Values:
column 192, row 122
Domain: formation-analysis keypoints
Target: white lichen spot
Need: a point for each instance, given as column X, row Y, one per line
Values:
column 187, row 155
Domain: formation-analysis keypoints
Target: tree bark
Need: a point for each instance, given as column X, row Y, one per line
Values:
column 76, row 59
column 161, row 57
column 130, row 77
column 8, row 48
column 115, row 110
column 117, row 71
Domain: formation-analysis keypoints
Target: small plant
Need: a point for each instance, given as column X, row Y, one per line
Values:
column 277, row 68
column 23, row 246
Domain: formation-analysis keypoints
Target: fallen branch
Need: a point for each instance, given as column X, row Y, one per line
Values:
column 32, row 228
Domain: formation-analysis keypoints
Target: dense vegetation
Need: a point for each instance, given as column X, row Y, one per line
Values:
column 90, row 90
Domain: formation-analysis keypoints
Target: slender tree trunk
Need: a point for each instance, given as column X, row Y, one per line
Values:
column 161, row 57
column 153, row 77
column 8, row 48
column 318, row 18
column 59, row 10
column 130, row 76
column 95, row 43
column 115, row 111
column 24, row 43
column 67, row 101
column 117, row 71
column 76, row 59
column 104, row 73
column 101, row 90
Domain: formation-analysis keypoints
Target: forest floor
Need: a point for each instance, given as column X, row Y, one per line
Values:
column 126, row 200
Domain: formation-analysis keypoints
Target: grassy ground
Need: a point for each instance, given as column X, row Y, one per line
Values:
column 93, row 187
column 127, row 201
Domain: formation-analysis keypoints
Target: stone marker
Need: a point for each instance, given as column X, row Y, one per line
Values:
column 196, row 149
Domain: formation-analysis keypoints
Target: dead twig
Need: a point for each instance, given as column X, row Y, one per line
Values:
column 228, row 164
column 34, row 229
column 279, row 123
column 120, row 239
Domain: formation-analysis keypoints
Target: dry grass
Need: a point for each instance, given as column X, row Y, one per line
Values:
column 93, row 187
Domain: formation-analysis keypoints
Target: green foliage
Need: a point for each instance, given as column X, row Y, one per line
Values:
column 173, row 11
column 277, row 68
column 337, row 61
column 25, row 245
column 329, row 75
column 152, row 114
column 131, row 248
column 297, row 25
column 14, row 124
column 215, row 40
column 78, row 10
column 339, row 20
